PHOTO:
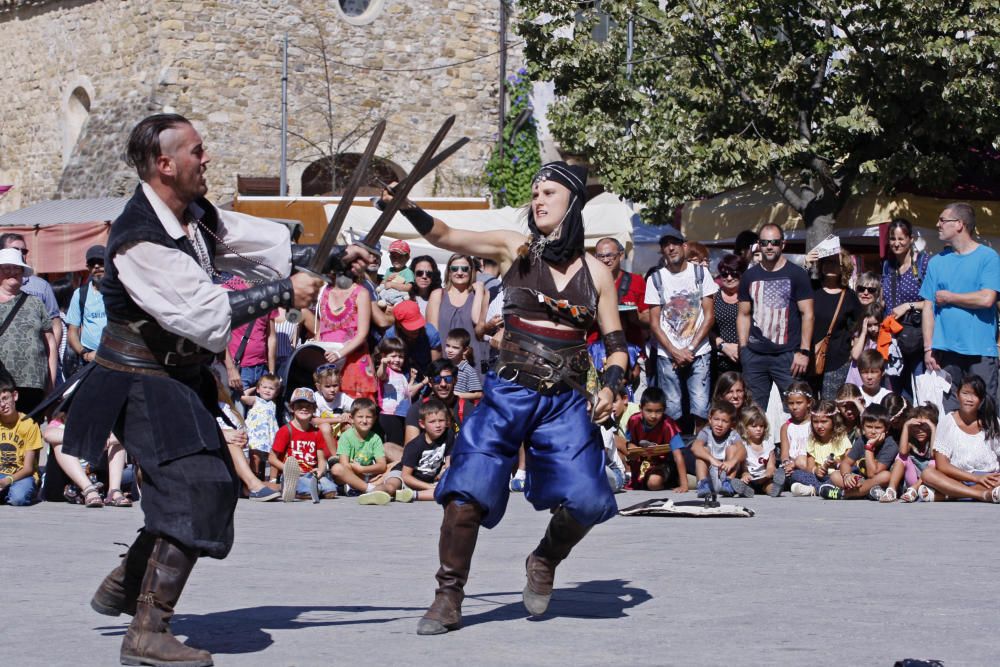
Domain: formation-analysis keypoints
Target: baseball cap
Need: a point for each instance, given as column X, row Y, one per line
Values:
column 407, row 314
column 302, row 394
column 400, row 246
column 671, row 233
column 95, row 252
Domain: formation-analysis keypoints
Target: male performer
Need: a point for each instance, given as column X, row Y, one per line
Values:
column 553, row 293
column 151, row 384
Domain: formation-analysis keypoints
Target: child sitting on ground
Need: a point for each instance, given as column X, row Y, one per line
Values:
column 261, row 422
column 22, row 441
column 896, row 407
column 871, row 366
column 828, row 444
column 916, row 453
column 651, row 428
column 864, row 471
column 333, row 407
column 85, row 487
column 425, row 458
column 456, row 349
column 398, row 281
column 360, row 455
column 851, row 406
column 299, row 449
column 762, row 472
column 719, row 454
column 794, row 438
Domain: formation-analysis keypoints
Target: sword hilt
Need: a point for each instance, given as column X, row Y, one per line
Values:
column 294, row 315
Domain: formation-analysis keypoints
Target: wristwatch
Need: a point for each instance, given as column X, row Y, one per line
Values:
column 804, row 351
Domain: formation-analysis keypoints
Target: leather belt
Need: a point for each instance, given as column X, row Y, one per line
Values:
column 123, row 349
column 541, row 368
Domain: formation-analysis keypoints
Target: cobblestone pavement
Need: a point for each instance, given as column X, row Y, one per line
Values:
column 806, row 581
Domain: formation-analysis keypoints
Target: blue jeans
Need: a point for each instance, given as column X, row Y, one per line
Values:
column 693, row 377
column 250, row 374
column 21, row 493
column 807, row 478
column 760, row 370
column 326, row 485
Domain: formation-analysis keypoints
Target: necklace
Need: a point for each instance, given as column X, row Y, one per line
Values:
column 206, row 262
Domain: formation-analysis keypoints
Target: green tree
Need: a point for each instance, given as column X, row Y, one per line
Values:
column 509, row 173
column 824, row 98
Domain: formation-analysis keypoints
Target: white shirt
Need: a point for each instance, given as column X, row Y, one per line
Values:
column 877, row 398
column 171, row 286
column 969, row 452
column 757, row 461
column 681, row 314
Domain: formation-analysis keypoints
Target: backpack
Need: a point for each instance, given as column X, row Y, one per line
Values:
column 699, row 279
column 71, row 361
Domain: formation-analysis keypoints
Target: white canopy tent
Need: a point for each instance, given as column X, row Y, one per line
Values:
column 604, row 216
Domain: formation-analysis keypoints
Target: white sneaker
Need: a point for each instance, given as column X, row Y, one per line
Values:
column 801, row 490
column 374, row 498
column 405, row 495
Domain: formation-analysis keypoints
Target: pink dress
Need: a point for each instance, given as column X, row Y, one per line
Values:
column 358, row 376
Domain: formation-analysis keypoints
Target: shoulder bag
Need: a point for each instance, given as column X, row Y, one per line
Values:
column 819, row 351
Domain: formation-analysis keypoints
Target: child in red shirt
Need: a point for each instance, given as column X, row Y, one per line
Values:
column 300, row 449
column 650, row 427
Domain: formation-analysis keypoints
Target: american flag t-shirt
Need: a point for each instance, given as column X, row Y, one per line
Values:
column 772, row 302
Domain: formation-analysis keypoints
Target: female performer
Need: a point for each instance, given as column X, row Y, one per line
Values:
column 535, row 394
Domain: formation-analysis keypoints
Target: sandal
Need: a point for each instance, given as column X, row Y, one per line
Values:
column 926, row 494
column 994, row 495
column 92, row 496
column 117, row 499
column 889, row 496
column 910, row 495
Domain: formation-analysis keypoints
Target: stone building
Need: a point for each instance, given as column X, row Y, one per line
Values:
column 77, row 74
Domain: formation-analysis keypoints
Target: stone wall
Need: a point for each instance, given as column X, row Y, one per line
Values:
column 219, row 64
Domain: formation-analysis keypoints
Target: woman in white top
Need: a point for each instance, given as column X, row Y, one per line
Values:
column 966, row 449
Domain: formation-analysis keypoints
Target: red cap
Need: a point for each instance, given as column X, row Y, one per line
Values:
column 407, row 314
column 400, row 246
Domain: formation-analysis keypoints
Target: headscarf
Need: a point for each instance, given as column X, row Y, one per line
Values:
column 565, row 242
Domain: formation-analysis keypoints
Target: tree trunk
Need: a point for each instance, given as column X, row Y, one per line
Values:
column 818, row 227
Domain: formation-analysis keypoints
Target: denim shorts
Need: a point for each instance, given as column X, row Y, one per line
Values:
column 693, row 377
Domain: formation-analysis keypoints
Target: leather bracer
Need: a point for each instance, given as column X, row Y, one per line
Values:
column 249, row 304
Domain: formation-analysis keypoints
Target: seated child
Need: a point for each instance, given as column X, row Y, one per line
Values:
column 851, row 406
column 299, row 448
column 456, row 349
column 871, row 366
column 916, row 453
column 762, row 472
column 651, row 427
column 425, row 458
column 828, row 444
column 794, row 438
column 719, row 453
column 864, row 471
column 360, row 455
column 85, row 487
column 398, row 280
column 22, row 441
column 261, row 422
column 333, row 407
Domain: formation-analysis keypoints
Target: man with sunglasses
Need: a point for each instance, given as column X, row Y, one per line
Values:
column 85, row 316
column 775, row 320
column 441, row 377
column 960, row 294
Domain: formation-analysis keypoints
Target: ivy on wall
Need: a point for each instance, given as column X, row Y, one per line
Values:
column 509, row 177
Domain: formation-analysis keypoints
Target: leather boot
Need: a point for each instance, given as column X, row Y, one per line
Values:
column 563, row 533
column 148, row 640
column 118, row 592
column 459, row 531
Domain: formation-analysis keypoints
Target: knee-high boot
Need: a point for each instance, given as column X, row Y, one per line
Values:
column 118, row 592
column 563, row 533
column 149, row 640
column 459, row 531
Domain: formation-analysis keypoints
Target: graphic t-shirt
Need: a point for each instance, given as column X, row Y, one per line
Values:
column 339, row 404
column 395, row 393
column 303, row 445
column 363, row 452
column 776, row 324
column 681, row 314
column 457, row 412
column 717, row 446
column 427, row 459
column 15, row 441
column 94, row 317
column 757, row 459
column 969, row 331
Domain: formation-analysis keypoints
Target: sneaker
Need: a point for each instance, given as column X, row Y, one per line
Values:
column 374, row 498
column 740, row 488
column 405, row 495
column 517, row 484
column 876, row 493
column 830, row 492
column 703, row 490
column 727, row 488
column 778, row 483
column 801, row 490
column 264, row 494
column 313, row 488
column 290, row 473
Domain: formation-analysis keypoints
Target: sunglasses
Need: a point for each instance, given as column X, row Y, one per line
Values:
column 862, row 289
column 424, row 274
column 770, row 242
column 606, row 255
column 326, row 367
column 459, row 269
column 726, row 273
column 447, row 379
column 91, row 265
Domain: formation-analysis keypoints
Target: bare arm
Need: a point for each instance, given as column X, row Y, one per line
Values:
column 52, row 352
column 607, row 321
column 272, row 346
column 984, row 298
column 434, row 308
column 73, row 338
column 26, row 470
column 743, row 316
column 927, row 324
column 412, row 482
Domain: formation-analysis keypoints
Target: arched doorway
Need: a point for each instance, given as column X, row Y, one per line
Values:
column 327, row 177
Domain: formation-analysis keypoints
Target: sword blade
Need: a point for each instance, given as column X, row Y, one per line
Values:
column 431, row 166
column 403, row 189
column 329, row 239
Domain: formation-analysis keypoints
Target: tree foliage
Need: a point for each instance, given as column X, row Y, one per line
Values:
column 825, row 98
column 509, row 173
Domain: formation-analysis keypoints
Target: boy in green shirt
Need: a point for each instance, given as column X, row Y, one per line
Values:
column 360, row 453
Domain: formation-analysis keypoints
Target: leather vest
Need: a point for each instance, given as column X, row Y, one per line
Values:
column 530, row 293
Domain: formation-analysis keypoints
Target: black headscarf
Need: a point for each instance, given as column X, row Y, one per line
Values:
column 565, row 243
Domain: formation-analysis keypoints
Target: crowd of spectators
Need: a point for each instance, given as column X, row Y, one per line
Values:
column 749, row 374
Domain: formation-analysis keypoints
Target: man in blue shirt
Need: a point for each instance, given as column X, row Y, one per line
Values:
column 960, row 294
column 87, row 320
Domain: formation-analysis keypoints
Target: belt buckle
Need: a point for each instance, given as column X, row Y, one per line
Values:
column 167, row 358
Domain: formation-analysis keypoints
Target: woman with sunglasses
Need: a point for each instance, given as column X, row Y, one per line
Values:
column 554, row 293
column 461, row 304
column 426, row 281
column 903, row 274
column 726, row 304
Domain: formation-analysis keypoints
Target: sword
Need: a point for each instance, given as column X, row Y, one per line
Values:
column 431, row 166
column 329, row 238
